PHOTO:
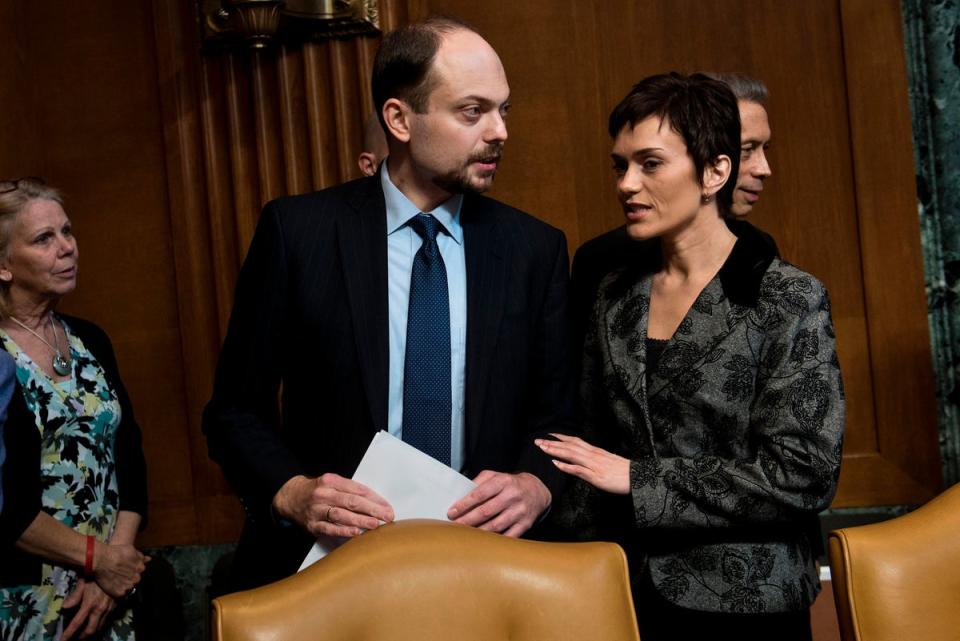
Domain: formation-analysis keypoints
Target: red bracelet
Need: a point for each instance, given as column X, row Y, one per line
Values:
column 88, row 563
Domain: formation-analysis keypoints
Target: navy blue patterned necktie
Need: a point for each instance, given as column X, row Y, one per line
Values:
column 427, row 400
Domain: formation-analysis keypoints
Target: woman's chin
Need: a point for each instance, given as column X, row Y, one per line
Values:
column 640, row 231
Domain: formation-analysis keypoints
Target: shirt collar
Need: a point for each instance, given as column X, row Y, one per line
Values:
column 400, row 210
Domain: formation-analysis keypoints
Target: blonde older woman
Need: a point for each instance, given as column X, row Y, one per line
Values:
column 67, row 559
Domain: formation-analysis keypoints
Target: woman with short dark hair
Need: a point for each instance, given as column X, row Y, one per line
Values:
column 711, row 395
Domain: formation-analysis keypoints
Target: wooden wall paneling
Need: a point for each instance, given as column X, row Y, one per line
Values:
column 320, row 119
column 596, row 206
column 264, row 99
column 19, row 151
column 907, row 456
column 240, row 141
column 293, row 119
column 197, row 189
column 218, row 187
column 345, row 99
column 366, row 47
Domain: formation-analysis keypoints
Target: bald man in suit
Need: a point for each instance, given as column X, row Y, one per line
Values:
column 330, row 304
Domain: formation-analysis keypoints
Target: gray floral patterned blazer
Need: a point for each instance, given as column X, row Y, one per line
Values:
column 735, row 439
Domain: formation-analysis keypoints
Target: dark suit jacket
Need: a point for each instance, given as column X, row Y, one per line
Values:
column 311, row 312
column 735, row 438
column 22, row 470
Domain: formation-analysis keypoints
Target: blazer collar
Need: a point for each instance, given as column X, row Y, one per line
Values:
column 743, row 270
column 740, row 276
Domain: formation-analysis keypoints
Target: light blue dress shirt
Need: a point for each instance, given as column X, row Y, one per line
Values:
column 402, row 245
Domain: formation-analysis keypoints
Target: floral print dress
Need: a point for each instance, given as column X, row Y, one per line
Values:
column 77, row 419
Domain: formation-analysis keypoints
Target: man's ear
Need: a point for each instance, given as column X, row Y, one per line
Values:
column 715, row 175
column 367, row 162
column 396, row 115
column 5, row 274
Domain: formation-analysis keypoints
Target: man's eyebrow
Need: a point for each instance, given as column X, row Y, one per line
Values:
column 483, row 100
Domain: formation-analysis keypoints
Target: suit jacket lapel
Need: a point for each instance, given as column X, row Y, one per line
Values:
column 363, row 246
column 625, row 331
column 486, row 286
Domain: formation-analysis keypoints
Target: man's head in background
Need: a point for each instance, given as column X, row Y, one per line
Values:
column 754, row 139
column 374, row 146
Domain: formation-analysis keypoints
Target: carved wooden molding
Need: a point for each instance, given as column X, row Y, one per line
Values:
column 259, row 23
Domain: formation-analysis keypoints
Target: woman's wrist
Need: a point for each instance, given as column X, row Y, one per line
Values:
column 126, row 530
column 89, row 556
column 99, row 553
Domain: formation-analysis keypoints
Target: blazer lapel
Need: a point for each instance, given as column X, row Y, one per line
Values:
column 363, row 248
column 625, row 330
column 486, row 287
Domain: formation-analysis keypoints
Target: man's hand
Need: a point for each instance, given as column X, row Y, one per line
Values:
column 506, row 503
column 331, row 505
column 93, row 609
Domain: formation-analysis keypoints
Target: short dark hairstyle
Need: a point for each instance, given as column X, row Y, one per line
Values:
column 744, row 87
column 701, row 110
column 403, row 65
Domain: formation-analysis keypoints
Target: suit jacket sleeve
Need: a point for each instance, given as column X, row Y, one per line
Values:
column 796, row 418
column 551, row 402
column 241, row 421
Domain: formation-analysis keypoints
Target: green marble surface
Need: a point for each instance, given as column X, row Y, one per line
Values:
column 181, row 583
column 932, row 43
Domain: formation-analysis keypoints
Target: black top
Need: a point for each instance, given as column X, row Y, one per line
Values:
column 22, row 468
column 655, row 348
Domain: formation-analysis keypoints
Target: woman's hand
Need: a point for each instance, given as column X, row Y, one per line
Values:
column 93, row 610
column 117, row 568
column 598, row 467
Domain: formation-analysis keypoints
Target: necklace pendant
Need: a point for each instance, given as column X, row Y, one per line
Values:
column 61, row 365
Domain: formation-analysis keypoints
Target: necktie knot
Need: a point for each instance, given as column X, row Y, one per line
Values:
column 426, row 226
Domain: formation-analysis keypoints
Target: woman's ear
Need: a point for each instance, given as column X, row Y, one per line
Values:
column 396, row 115
column 715, row 175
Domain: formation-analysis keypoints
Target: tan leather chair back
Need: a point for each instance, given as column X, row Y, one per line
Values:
column 430, row 580
column 899, row 580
